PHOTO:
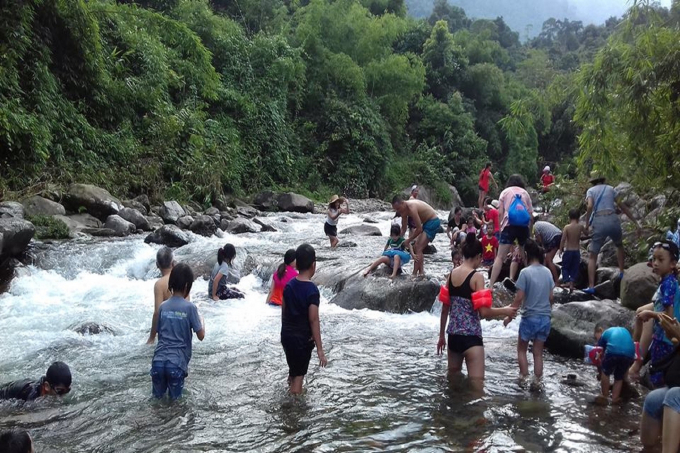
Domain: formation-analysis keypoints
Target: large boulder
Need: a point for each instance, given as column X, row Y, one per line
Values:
column 11, row 209
column 16, row 234
column 121, row 226
column 266, row 201
column 638, row 286
column 362, row 230
column 449, row 201
column 628, row 196
column 240, row 226
column 376, row 292
column 171, row 211
column 185, row 222
column 97, row 201
column 144, row 201
column 294, row 202
column 135, row 217
column 155, row 222
column 169, row 235
column 37, row 205
column 573, row 324
column 203, row 225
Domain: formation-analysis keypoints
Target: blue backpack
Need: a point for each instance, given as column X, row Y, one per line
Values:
column 518, row 215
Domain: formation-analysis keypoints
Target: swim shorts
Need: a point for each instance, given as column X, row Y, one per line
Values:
column 617, row 365
column 571, row 261
column 534, row 328
column 330, row 230
column 512, row 233
column 298, row 353
column 431, row 228
column 458, row 344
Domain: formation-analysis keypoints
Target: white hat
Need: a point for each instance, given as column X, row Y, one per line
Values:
column 546, row 169
column 414, row 188
column 495, row 204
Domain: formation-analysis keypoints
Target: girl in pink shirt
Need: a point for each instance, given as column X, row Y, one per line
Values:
column 285, row 273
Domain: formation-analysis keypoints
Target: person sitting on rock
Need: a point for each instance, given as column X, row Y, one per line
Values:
column 454, row 229
column 665, row 300
column 165, row 262
column 618, row 356
column 57, row 381
column 335, row 210
column 16, row 441
column 217, row 285
column 395, row 255
column 464, row 330
column 427, row 226
column 284, row 273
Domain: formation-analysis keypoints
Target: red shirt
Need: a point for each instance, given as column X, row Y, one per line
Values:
column 547, row 179
column 484, row 179
column 492, row 216
column 489, row 245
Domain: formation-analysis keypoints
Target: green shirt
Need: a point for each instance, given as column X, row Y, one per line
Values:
column 399, row 244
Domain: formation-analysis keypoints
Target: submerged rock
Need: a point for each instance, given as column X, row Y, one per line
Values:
column 92, row 328
column 573, row 324
column 169, row 235
column 97, row 201
column 362, row 230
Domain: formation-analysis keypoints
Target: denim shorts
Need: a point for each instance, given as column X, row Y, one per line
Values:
column 604, row 227
column 167, row 378
column 617, row 365
column 658, row 399
column 534, row 328
column 512, row 233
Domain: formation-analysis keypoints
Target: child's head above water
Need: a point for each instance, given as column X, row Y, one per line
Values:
column 226, row 253
column 181, row 280
column 574, row 214
column 664, row 257
column 395, row 231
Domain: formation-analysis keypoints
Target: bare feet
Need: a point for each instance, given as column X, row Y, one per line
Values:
column 601, row 400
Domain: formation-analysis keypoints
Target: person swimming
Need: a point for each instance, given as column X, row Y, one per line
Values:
column 57, row 382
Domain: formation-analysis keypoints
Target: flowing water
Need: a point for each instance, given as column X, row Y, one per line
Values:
column 384, row 389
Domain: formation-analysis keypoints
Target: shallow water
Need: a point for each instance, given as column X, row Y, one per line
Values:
column 384, row 389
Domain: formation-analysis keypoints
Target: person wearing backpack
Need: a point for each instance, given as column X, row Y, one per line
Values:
column 516, row 212
column 601, row 216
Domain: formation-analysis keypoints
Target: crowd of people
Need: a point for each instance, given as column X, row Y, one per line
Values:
column 501, row 230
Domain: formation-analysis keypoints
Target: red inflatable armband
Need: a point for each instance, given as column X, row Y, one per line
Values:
column 483, row 298
column 444, row 295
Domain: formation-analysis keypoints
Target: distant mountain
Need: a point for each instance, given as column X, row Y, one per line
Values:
column 527, row 16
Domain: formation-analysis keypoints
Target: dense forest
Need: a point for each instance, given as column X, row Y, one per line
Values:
column 191, row 99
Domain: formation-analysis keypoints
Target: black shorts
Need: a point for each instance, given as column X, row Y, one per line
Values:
column 512, row 233
column 330, row 230
column 298, row 353
column 458, row 344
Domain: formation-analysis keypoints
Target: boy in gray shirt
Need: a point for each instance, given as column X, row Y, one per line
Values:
column 535, row 288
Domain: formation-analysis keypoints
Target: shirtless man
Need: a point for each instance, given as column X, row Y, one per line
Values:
column 161, row 293
column 425, row 220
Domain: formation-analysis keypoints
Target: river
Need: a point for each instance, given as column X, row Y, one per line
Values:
column 384, row 389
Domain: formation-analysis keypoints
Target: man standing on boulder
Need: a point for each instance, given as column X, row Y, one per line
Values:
column 425, row 220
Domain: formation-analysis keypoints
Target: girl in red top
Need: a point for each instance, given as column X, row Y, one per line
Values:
column 484, row 178
column 285, row 273
column 548, row 179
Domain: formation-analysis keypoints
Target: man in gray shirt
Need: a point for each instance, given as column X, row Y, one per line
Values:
column 549, row 237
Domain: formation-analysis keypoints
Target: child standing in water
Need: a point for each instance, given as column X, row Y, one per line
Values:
column 465, row 328
column 570, row 249
column 664, row 262
column 619, row 355
column 335, row 209
column 300, row 328
column 284, row 273
column 217, row 285
column 394, row 255
column 535, row 288
column 176, row 318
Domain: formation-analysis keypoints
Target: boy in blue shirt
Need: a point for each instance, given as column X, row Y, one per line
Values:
column 619, row 354
column 300, row 329
column 176, row 318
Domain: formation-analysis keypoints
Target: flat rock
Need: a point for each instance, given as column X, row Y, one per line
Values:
column 573, row 324
column 638, row 286
column 100, row 232
column 97, row 201
column 135, row 217
column 16, row 235
column 12, row 209
column 169, row 235
column 362, row 230
column 171, row 211
column 37, row 205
